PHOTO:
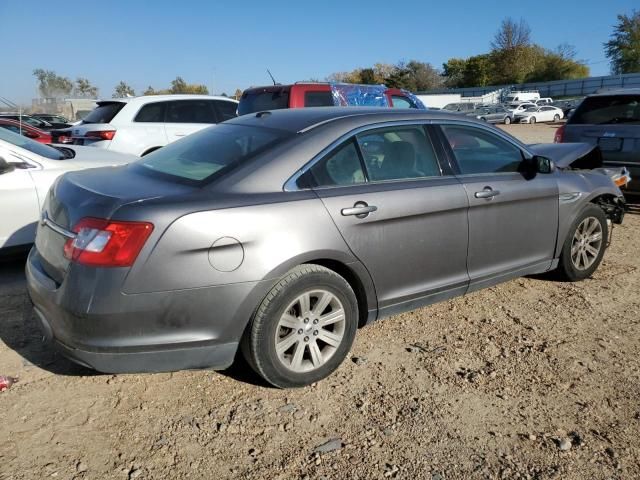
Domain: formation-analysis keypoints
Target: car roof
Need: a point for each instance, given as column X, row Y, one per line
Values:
column 158, row 98
column 304, row 119
column 620, row 91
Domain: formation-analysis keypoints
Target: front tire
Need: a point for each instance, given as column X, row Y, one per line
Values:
column 585, row 244
column 556, row 118
column 507, row 120
column 533, row 120
column 303, row 329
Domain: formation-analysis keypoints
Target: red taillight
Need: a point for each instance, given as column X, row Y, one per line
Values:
column 105, row 243
column 101, row 134
column 559, row 136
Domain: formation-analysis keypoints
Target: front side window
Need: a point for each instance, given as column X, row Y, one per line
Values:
column 478, row 151
column 209, row 153
column 190, row 111
column 339, row 168
column 397, row 153
column 151, row 112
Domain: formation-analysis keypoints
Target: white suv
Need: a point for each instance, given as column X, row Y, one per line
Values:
column 140, row 125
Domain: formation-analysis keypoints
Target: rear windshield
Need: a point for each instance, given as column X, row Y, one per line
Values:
column 608, row 109
column 259, row 101
column 30, row 145
column 104, row 112
column 209, row 153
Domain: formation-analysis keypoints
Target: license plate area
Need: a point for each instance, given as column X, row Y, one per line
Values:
column 609, row 144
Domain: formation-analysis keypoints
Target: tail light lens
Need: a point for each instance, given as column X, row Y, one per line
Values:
column 559, row 136
column 106, row 243
column 101, row 134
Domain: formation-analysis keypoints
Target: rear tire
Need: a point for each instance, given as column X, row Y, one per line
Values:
column 303, row 329
column 483, row 119
column 556, row 118
column 507, row 120
column 584, row 245
column 532, row 121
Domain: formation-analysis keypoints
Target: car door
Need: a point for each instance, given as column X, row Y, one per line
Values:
column 19, row 208
column 513, row 213
column 400, row 211
column 185, row 117
column 146, row 131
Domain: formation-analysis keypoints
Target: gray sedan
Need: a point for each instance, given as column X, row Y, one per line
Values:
column 278, row 234
column 497, row 114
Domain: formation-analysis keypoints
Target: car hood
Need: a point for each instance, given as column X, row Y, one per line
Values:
column 86, row 157
column 565, row 155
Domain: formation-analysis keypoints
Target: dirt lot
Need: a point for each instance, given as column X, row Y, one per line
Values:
column 530, row 379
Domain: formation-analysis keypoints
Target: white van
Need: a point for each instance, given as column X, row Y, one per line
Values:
column 519, row 97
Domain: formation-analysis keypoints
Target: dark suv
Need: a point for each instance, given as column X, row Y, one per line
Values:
column 610, row 120
column 312, row 94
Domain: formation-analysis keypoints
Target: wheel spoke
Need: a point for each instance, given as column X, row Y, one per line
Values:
column 329, row 338
column 322, row 303
column 332, row 317
column 590, row 249
column 298, row 353
column 289, row 321
column 316, row 355
column 305, row 303
column 592, row 224
column 286, row 343
column 596, row 237
column 574, row 249
column 585, row 259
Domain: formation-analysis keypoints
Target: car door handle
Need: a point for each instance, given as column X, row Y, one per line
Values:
column 180, row 134
column 359, row 209
column 487, row 192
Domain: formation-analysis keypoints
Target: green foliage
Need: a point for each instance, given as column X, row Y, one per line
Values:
column 412, row 75
column 179, row 86
column 623, row 50
column 52, row 85
column 123, row 90
column 83, row 88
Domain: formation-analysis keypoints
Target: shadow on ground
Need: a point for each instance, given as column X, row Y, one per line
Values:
column 18, row 326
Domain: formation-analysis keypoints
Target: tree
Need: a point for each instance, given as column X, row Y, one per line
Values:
column 123, row 90
column 52, row 85
column 478, row 71
column 414, row 76
column 180, row 86
column 237, row 94
column 149, row 91
column 623, row 50
column 512, row 35
column 559, row 64
column 83, row 88
column 453, row 72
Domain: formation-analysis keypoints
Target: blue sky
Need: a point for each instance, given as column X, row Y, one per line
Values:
column 228, row 45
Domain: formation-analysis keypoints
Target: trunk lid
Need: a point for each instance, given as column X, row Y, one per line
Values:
column 95, row 193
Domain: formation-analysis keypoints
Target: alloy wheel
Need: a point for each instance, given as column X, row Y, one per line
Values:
column 310, row 330
column 586, row 244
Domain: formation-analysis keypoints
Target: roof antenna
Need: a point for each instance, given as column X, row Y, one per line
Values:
column 272, row 79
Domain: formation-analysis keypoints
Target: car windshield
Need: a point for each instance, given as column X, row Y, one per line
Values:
column 104, row 112
column 608, row 109
column 209, row 153
column 259, row 101
column 30, row 145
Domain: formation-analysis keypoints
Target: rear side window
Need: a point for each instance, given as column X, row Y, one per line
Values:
column 152, row 112
column 609, row 109
column 227, row 110
column 209, row 153
column 478, row 151
column 340, row 167
column 318, row 99
column 191, row 111
column 401, row 102
column 257, row 101
column 104, row 112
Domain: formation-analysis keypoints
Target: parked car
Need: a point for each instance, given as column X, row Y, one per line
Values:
column 462, row 107
column 284, row 231
column 495, row 114
column 516, row 108
column 543, row 101
column 567, row 106
column 610, row 120
column 539, row 114
column 27, row 170
column 34, row 122
column 140, row 125
column 56, row 121
column 313, row 94
column 25, row 129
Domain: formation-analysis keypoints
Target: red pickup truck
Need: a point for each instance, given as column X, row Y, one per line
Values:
column 309, row 94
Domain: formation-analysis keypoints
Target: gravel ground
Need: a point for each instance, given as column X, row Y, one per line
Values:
column 530, row 379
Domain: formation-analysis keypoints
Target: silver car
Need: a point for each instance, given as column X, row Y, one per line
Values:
column 494, row 114
column 280, row 233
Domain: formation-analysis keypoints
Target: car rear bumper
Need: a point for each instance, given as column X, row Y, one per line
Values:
column 151, row 332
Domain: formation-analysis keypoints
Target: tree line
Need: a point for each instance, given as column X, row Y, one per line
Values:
column 513, row 59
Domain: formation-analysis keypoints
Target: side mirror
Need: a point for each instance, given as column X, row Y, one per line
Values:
column 6, row 167
column 543, row 164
